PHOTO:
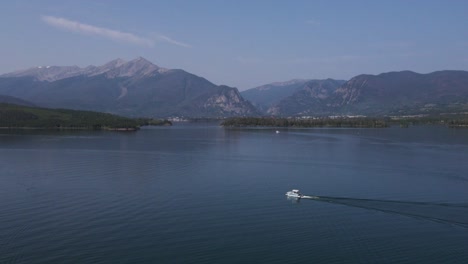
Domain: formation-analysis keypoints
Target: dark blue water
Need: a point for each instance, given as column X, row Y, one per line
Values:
column 204, row 194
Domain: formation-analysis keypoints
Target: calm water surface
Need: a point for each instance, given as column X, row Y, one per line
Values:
column 204, row 194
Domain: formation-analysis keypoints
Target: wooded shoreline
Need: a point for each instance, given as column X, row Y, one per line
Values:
column 23, row 117
column 345, row 122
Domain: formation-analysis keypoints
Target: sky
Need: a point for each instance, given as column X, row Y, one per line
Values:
column 240, row 43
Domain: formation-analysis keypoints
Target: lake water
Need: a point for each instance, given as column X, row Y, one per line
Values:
column 199, row 193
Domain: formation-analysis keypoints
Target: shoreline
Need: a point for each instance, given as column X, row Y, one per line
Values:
column 130, row 129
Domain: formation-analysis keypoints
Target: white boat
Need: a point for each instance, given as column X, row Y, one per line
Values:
column 294, row 194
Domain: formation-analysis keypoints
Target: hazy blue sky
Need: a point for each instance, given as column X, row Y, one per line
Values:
column 240, row 43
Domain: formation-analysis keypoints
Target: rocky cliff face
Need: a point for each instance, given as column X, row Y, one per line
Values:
column 230, row 102
column 350, row 92
column 133, row 88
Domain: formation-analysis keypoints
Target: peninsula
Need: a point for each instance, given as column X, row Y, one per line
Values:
column 26, row 117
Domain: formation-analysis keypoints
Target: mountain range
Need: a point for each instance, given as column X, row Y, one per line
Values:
column 392, row 93
column 133, row 88
column 139, row 88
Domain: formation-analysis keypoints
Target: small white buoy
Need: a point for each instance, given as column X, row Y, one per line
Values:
column 277, row 131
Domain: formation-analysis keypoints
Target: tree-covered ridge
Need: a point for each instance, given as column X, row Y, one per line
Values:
column 299, row 122
column 15, row 116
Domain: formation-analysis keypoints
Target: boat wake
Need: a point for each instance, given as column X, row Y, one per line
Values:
column 448, row 213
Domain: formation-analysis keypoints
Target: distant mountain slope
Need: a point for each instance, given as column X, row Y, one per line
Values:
column 113, row 69
column 403, row 92
column 133, row 88
column 392, row 93
column 265, row 96
column 307, row 100
column 46, row 73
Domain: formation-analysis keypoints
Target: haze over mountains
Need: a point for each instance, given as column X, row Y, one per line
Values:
column 139, row 88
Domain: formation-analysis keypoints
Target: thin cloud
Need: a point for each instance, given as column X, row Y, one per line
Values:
column 172, row 41
column 115, row 35
column 82, row 28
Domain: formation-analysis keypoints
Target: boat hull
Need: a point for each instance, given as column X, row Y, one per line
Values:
column 293, row 195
